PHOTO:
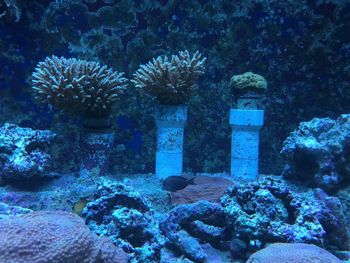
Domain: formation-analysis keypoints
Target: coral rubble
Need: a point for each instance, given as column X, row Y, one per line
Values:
column 53, row 237
column 318, row 153
column 23, row 152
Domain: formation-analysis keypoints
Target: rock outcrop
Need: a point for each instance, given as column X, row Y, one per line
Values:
column 23, row 153
column 318, row 153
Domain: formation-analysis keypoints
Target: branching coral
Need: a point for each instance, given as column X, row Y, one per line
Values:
column 78, row 86
column 170, row 81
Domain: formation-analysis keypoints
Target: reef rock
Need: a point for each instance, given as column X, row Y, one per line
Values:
column 187, row 226
column 23, row 152
column 54, row 237
column 286, row 253
column 344, row 197
column 121, row 214
column 7, row 210
column 204, row 188
column 318, row 153
column 266, row 211
column 10, row 11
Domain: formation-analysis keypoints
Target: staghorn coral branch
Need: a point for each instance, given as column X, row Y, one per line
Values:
column 170, row 81
column 77, row 86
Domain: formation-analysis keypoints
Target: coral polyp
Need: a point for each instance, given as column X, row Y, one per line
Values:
column 170, row 81
column 78, row 86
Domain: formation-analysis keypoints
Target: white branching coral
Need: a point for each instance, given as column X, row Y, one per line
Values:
column 78, row 86
column 170, row 81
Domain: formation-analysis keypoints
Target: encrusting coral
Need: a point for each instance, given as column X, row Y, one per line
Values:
column 170, row 81
column 78, row 86
column 248, row 82
column 54, row 236
column 298, row 252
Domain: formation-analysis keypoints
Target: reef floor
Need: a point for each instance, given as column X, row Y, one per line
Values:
column 157, row 211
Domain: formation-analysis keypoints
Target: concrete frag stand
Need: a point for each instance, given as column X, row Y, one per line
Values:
column 96, row 142
column 246, row 126
column 170, row 121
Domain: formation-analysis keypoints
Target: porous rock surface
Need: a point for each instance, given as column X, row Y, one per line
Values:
column 23, row 152
column 249, row 216
column 318, row 153
column 266, row 211
column 287, row 253
column 190, row 225
column 127, row 219
column 344, row 197
column 55, row 237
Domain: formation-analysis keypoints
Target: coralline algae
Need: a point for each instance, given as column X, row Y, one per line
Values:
column 318, row 153
column 23, row 153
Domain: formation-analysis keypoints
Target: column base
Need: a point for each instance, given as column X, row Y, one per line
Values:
column 168, row 164
column 244, row 169
column 95, row 153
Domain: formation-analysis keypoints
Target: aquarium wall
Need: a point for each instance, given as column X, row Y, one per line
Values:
column 302, row 48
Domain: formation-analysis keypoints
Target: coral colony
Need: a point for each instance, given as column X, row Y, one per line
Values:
column 174, row 131
column 77, row 86
column 170, row 82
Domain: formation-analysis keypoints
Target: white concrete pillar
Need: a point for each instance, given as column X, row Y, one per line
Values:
column 246, row 126
column 96, row 142
column 170, row 121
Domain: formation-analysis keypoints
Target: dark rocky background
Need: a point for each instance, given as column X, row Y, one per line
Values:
column 302, row 48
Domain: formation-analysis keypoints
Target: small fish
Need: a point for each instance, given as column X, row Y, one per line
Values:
column 176, row 183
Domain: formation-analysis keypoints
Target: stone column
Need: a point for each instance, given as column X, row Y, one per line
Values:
column 96, row 142
column 170, row 121
column 246, row 126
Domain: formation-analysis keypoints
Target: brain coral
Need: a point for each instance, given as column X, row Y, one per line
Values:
column 55, row 237
column 285, row 253
column 170, row 81
column 77, row 86
column 248, row 82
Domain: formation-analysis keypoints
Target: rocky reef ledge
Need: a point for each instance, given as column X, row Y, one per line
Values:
column 139, row 217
